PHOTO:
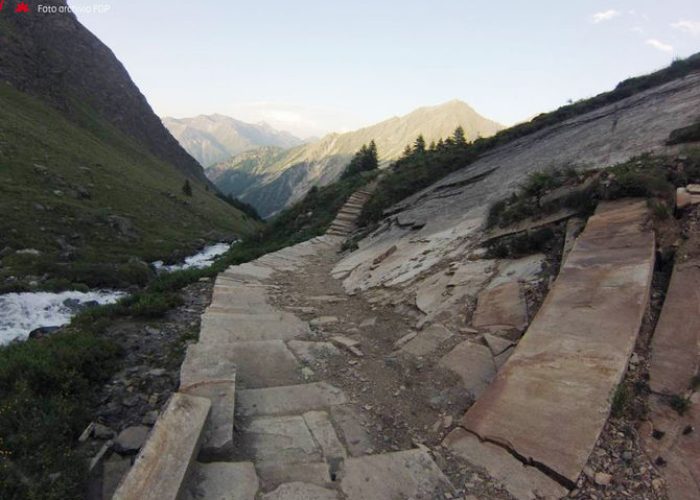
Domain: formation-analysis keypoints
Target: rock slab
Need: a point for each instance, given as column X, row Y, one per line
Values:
column 165, row 461
column 550, row 400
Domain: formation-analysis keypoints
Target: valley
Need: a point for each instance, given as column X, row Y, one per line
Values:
column 432, row 307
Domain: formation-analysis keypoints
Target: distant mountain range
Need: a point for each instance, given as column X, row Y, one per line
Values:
column 271, row 179
column 214, row 138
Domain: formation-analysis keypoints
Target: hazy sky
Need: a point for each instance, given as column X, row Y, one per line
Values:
column 316, row 66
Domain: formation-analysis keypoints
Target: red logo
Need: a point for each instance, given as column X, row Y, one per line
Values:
column 22, row 8
column 1, row 3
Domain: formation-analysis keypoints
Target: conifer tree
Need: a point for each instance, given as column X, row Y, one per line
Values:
column 187, row 188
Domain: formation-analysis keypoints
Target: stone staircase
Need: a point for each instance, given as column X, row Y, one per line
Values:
column 295, row 436
column 251, row 419
column 345, row 222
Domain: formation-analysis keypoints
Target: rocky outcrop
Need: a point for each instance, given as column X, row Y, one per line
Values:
column 53, row 57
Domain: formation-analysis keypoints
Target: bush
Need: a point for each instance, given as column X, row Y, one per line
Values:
column 690, row 133
column 621, row 399
column 46, row 388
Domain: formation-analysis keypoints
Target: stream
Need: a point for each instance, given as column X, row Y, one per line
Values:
column 22, row 313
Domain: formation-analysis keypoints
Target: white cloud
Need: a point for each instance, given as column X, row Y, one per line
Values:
column 687, row 26
column 605, row 15
column 659, row 45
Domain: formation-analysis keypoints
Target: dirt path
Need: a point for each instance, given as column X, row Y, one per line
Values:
column 405, row 401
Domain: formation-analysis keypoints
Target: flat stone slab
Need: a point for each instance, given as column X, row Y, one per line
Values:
column 390, row 476
column 502, row 306
column 301, row 491
column 220, row 328
column 550, row 400
column 223, row 481
column 666, row 435
column 249, row 270
column 521, row 481
column 349, row 423
column 206, row 363
column 217, row 435
column 292, row 399
column 675, row 345
column 273, row 475
column 525, row 269
column 239, row 298
column 497, row 344
column 280, row 440
column 473, row 363
column 264, row 363
column 161, row 468
column 323, row 432
column 427, row 341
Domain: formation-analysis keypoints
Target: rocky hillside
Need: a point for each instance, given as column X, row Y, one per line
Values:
column 215, row 138
column 89, row 177
column 278, row 180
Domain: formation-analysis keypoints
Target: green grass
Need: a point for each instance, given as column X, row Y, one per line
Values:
column 47, row 389
column 62, row 183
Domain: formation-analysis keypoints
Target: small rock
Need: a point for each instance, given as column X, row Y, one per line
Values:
column 323, row 321
column 102, row 432
column 150, row 417
column 405, row 340
column 368, row 322
column 131, row 439
column 602, row 478
column 86, row 433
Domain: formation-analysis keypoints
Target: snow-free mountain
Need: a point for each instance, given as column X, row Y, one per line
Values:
column 271, row 179
column 215, row 138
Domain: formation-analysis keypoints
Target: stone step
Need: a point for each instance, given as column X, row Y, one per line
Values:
column 162, row 467
column 550, row 400
column 210, row 374
column 262, row 363
column 676, row 340
column 288, row 400
column 223, row 481
column 250, row 271
column 222, row 328
column 390, row 476
column 342, row 226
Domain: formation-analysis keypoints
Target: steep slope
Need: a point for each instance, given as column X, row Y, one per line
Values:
column 52, row 56
column 214, row 138
column 89, row 177
column 285, row 179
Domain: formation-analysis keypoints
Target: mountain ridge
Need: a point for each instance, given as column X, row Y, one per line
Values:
column 212, row 138
column 284, row 179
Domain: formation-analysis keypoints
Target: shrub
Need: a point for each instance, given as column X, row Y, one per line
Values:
column 46, row 388
column 691, row 133
column 621, row 399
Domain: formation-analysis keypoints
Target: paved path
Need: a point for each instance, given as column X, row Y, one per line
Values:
column 296, row 437
column 549, row 402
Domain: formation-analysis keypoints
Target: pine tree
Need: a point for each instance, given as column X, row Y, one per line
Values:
column 419, row 145
column 187, row 188
column 459, row 137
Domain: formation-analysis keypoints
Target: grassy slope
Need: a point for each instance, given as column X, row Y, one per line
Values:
column 121, row 177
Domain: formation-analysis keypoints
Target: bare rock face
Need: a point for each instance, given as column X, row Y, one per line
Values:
column 55, row 58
